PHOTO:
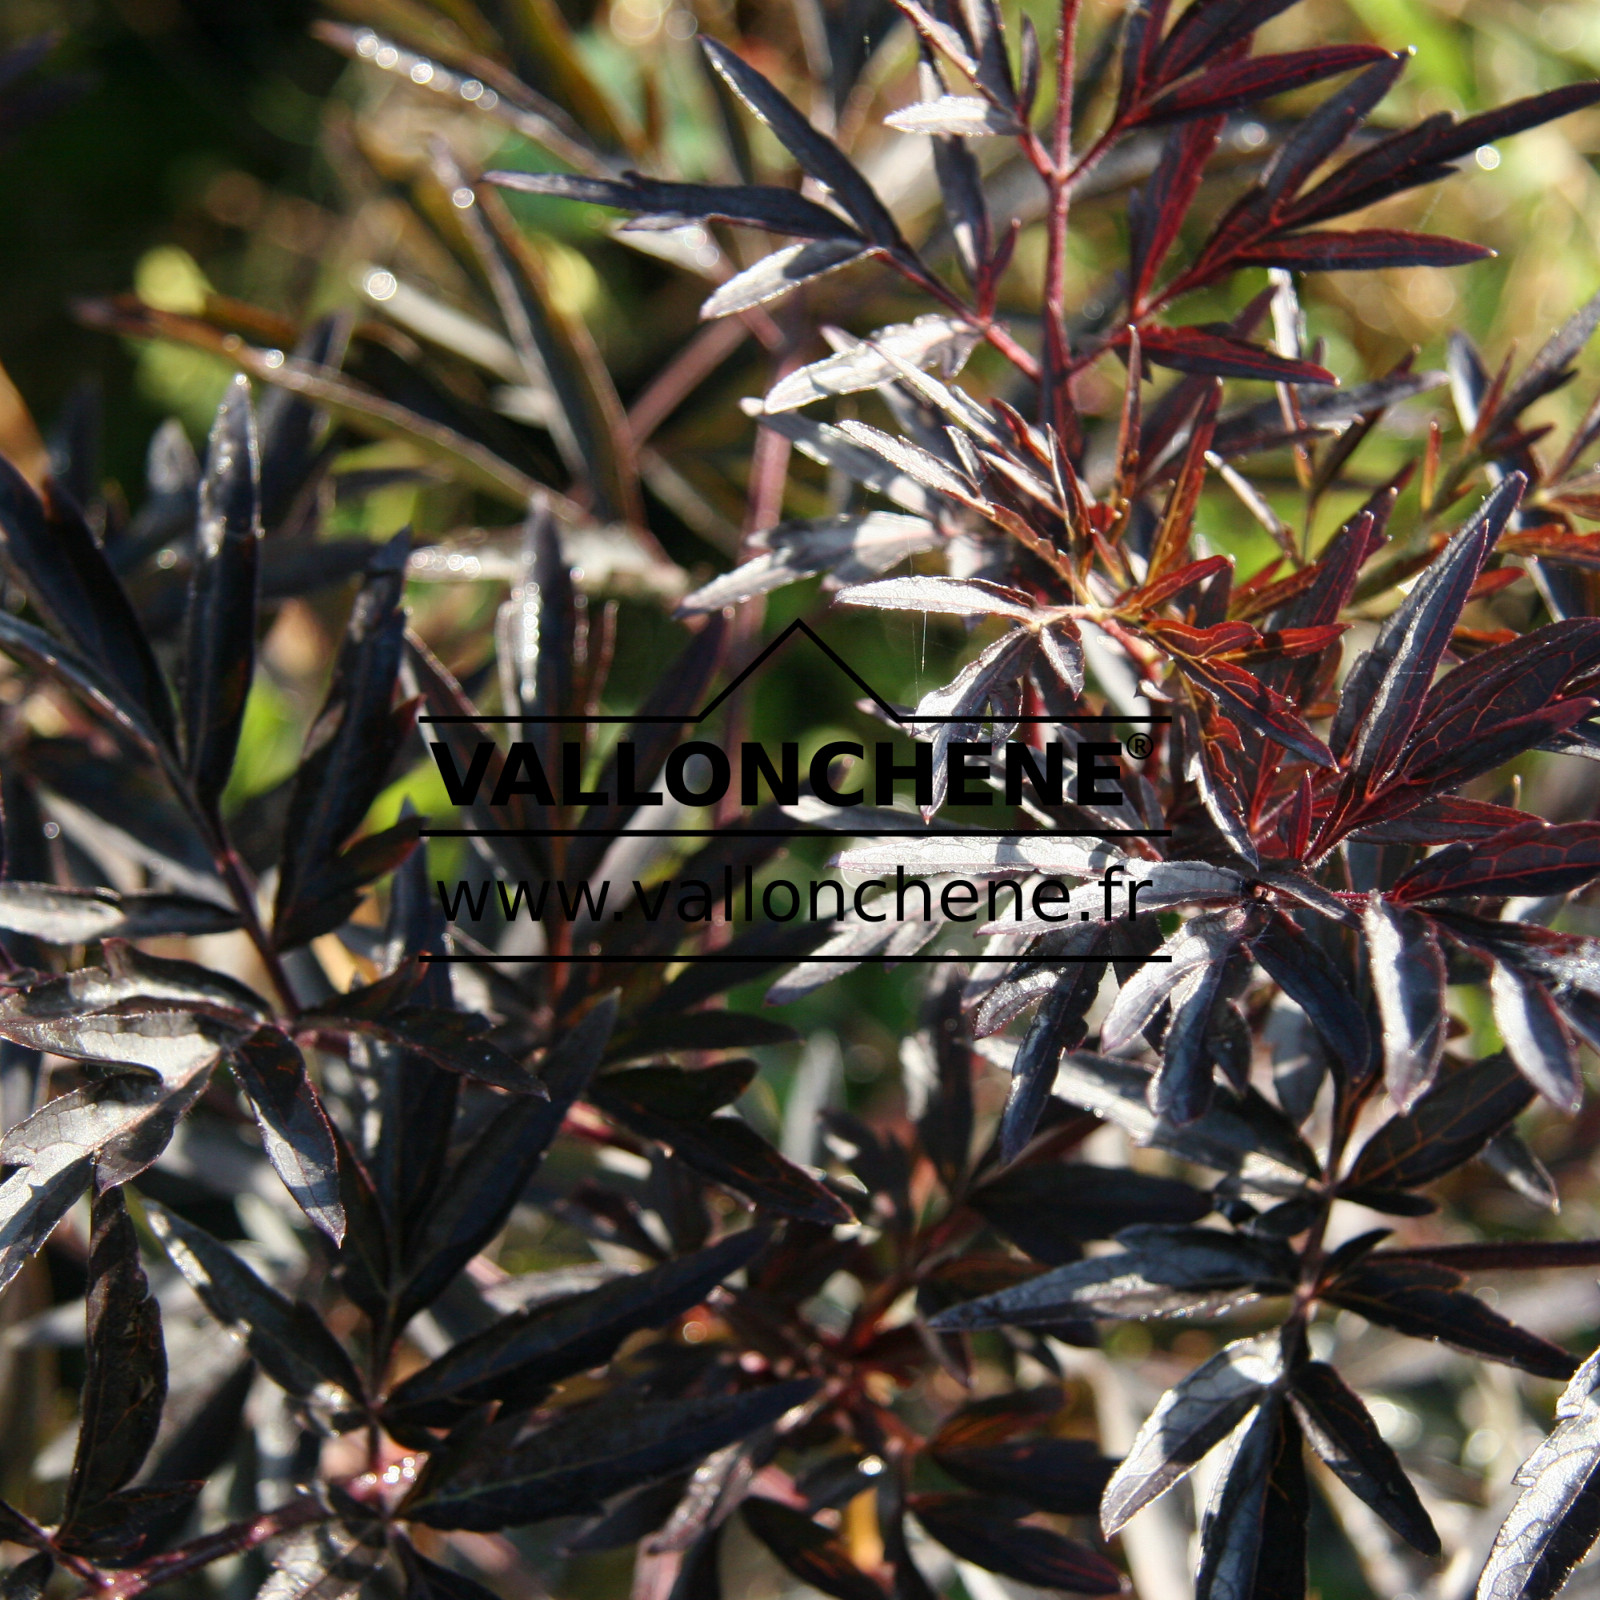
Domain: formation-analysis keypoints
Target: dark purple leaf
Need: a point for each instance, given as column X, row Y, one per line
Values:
column 1203, row 30
column 990, row 1534
column 1384, row 695
column 1408, row 978
column 1427, row 1302
column 346, row 758
column 491, row 1173
column 126, row 1382
column 1299, row 966
column 516, row 1472
column 1241, row 83
column 755, row 206
column 294, row 1128
column 1341, row 1430
column 290, row 1342
column 1536, row 1036
column 1233, row 1531
column 1049, row 1209
column 427, row 1580
column 1160, row 1269
column 54, row 556
column 1556, row 1518
column 1447, row 1126
column 1067, row 1476
column 27, row 1579
column 1220, row 355
column 82, row 916
column 1362, row 250
column 220, row 634
column 815, row 152
column 730, row 1152
column 516, row 1359
column 1191, row 1419
column 1061, row 1024
column 1534, row 858
column 813, row 1554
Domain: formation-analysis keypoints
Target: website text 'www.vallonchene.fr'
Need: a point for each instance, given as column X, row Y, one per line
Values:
column 998, row 904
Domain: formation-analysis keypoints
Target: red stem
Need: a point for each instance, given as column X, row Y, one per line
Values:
column 1057, row 354
column 209, row 1547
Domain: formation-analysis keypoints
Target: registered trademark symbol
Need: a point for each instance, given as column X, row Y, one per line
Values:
column 1139, row 745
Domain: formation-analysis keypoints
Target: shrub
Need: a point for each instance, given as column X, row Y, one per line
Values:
column 1294, row 1024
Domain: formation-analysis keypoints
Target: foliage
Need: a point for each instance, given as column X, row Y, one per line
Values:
column 1343, row 981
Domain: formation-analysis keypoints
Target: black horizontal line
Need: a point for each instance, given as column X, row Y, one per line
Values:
column 765, row 961
column 683, row 721
column 782, row 833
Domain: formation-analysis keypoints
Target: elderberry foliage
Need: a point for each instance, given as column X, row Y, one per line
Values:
column 297, row 1118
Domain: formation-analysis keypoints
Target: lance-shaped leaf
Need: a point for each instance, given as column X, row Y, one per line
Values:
column 289, row 1341
column 1536, row 1036
column 813, row 1554
column 725, row 1148
column 220, row 633
column 1220, row 355
column 775, row 275
column 125, row 1384
column 1171, row 1271
column 173, row 1044
column 851, row 546
column 515, row 1359
column 66, row 575
column 1426, row 1301
column 1341, row 1430
column 1447, row 1126
column 1556, row 1518
column 1191, row 1419
column 453, row 1040
column 1202, row 943
column 1240, row 83
column 941, row 342
column 959, row 115
column 815, row 152
column 129, row 1523
column 1408, row 977
column 1534, row 858
column 1183, row 1082
column 1385, row 691
column 990, row 1533
column 519, row 1471
column 1237, row 1131
column 490, row 1175
column 1063, row 1475
column 1305, row 973
column 1049, row 1209
column 346, row 758
column 109, row 1132
column 1060, row 1025
column 1253, row 1534
column 294, row 1128
column 753, row 205
column 1361, row 250
column 81, row 916
column 1421, row 154
column 1246, row 700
